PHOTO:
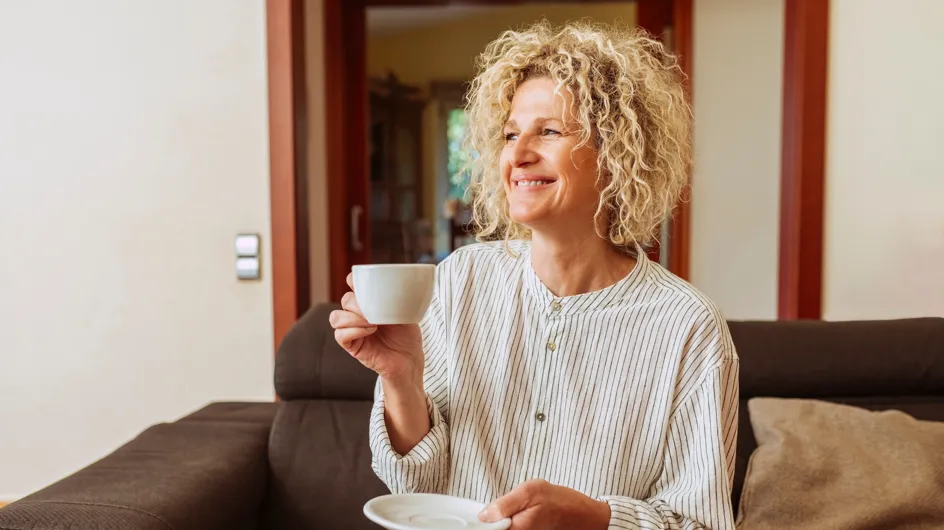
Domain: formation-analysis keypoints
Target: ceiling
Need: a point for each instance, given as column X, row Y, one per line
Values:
column 382, row 21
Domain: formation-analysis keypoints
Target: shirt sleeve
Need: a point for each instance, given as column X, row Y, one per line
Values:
column 425, row 469
column 694, row 491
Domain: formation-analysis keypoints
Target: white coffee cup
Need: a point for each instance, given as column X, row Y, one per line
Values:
column 394, row 293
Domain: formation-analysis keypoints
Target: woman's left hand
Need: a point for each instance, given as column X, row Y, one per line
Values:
column 540, row 505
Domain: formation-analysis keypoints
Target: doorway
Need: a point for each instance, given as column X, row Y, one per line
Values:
column 396, row 89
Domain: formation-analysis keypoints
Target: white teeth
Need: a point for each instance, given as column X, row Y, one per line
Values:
column 526, row 183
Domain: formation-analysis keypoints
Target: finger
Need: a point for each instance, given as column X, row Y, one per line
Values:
column 515, row 501
column 349, row 338
column 349, row 303
column 340, row 319
column 350, row 280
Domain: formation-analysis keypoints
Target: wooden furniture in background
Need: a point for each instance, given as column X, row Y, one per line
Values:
column 461, row 229
column 396, row 177
column 450, row 96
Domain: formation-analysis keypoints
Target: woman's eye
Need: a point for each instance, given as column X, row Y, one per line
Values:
column 511, row 136
column 550, row 131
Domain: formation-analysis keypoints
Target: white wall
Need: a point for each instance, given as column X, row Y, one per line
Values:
column 133, row 147
column 737, row 79
column 885, row 167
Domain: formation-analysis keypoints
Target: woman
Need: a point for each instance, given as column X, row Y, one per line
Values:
column 559, row 375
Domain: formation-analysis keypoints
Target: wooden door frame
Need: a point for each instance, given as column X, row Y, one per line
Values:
column 803, row 159
column 288, row 178
column 803, row 149
column 679, row 253
column 347, row 112
column 346, row 117
column 654, row 16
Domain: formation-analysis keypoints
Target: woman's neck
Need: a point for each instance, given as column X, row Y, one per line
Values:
column 578, row 265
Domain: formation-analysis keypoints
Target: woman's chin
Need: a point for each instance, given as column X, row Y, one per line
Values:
column 528, row 218
column 518, row 214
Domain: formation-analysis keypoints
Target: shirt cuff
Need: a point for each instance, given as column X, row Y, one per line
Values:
column 627, row 513
column 432, row 446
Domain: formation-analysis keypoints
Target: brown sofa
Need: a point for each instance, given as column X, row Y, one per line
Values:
column 304, row 462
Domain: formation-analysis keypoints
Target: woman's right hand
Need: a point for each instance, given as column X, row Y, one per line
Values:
column 395, row 352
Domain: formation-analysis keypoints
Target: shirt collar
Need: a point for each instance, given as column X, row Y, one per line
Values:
column 616, row 294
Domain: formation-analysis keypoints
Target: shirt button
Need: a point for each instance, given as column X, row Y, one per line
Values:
column 551, row 346
column 555, row 306
column 540, row 416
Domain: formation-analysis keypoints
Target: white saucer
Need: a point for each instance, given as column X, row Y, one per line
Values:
column 426, row 511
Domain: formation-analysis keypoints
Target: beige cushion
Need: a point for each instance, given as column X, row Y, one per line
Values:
column 823, row 465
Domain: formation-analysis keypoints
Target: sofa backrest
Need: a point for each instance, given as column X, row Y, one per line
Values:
column 309, row 364
column 877, row 365
column 319, row 457
column 319, row 453
column 841, row 359
column 778, row 358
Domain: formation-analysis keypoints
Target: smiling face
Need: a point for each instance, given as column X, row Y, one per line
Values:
column 550, row 179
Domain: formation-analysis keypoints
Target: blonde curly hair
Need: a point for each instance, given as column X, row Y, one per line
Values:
column 630, row 102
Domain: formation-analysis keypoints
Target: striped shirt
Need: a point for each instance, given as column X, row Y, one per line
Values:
column 628, row 394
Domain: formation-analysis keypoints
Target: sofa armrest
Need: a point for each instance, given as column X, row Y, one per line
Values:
column 205, row 473
column 236, row 411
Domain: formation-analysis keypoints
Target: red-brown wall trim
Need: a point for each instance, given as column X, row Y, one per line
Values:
column 680, row 237
column 806, row 39
column 300, row 98
column 346, row 119
column 655, row 16
column 335, row 87
column 287, row 200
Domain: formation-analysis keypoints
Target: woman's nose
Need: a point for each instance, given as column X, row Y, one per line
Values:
column 523, row 153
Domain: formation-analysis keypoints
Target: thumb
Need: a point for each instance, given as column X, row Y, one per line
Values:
column 508, row 505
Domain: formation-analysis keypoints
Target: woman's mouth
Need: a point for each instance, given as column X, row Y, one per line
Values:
column 532, row 184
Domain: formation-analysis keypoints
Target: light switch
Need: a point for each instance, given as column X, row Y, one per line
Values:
column 247, row 268
column 247, row 256
column 247, row 245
